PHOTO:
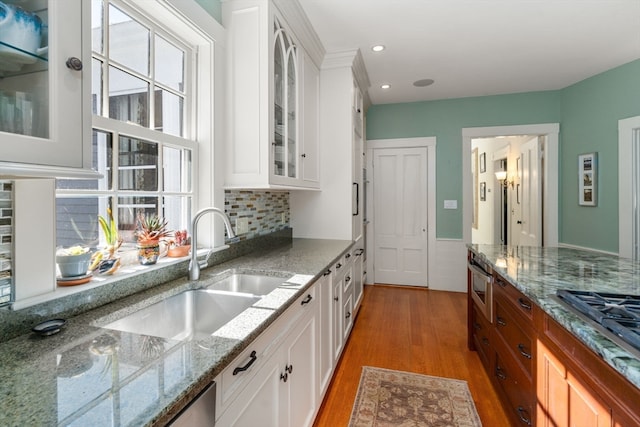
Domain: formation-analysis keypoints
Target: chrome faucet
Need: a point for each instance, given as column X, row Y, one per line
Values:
column 194, row 267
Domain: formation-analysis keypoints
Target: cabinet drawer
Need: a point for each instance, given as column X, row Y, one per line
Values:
column 234, row 377
column 520, row 303
column 348, row 280
column 518, row 390
column 347, row 315
column 517, row 337
column 482, row 336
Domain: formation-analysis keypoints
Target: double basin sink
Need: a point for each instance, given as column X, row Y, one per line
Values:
column 197, row 314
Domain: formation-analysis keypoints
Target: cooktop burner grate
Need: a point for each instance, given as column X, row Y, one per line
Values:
column 619, row 313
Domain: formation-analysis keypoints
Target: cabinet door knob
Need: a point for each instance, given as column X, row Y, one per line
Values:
column 303, row 155
column 74, row 63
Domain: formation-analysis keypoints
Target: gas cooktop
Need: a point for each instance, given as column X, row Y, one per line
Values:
column 618, row 313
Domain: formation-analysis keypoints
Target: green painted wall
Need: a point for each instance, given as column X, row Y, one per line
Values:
column 445, row 120
column 588, row 113
column 213, row 7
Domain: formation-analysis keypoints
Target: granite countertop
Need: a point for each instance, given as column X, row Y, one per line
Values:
column 89, row 375
column 539, row 272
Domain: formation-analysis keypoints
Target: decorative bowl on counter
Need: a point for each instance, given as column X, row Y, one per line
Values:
column 74, row 261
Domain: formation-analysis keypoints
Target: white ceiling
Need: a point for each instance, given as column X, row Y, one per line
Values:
column 478, row 47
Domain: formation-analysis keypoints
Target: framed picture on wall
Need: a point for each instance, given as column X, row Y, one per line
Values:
column 483, row 191
column 587, row 179
column 483, row 162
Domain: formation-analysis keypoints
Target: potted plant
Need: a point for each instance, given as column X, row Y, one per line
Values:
column 106, row 261
column 149, row 230
column 180, row 245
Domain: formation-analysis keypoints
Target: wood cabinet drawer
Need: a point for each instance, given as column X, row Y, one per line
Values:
column 518, row 390
column 482, row 336
column 517, row 337
column 517, row 299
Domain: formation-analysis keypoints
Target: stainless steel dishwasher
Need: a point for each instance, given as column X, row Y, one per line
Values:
column 201, row 412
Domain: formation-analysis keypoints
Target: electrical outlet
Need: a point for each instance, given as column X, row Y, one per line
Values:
column 242, row 225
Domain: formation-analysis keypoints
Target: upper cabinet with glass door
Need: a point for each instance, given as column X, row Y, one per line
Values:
column 274, row 96
column 44, row 114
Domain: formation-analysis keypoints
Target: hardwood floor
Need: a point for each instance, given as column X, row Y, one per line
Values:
column 410, row 329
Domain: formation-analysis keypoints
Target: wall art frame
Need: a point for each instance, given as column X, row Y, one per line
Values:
column 588, row 179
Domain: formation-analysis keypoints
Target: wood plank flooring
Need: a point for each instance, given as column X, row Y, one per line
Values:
column 410, row 329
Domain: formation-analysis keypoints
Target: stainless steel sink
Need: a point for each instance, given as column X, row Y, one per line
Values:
column 190, row 315
column 254, row 284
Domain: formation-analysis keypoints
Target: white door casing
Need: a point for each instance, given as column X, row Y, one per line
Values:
column 530, row 182
column 429, row 143
column 628, row 182
column 550, row 171
column 400, row 209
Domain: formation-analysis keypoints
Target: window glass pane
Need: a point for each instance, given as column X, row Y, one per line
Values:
column 291, row 113
column 96, row 87
column 169, row 113
column 96, row 25
column 169, row 64
column 138, row 168
column 128, row 97
column 77, row 220
column 177, row 211
column 172, row 169
column 102, row 159
column 128, row 210
column 128, row 41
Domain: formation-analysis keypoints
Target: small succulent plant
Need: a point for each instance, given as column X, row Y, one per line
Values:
column 151, row 228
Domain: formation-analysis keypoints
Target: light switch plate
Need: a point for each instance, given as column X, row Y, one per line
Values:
column 451, row 204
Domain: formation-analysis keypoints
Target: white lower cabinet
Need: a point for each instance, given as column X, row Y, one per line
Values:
column 282, row 392
column 281, row 378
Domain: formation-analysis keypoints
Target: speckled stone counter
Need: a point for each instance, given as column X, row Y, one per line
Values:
column 87, row 375
column 540, row 272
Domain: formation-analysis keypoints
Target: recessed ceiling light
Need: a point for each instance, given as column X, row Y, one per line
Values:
column 423, row 82
column 377, row 48
column 385, row 86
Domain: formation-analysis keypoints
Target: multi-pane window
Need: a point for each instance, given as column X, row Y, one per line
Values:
column 141, row 97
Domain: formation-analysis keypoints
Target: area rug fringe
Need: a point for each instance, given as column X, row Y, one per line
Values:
column 389, row 398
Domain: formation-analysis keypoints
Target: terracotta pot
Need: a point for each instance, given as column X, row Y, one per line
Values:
column 148, row 252
column 179, row 251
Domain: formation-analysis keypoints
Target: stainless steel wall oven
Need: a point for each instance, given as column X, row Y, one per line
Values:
column 481, row 280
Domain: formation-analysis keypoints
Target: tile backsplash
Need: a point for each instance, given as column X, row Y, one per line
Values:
column 264, row 211
column 6, row 240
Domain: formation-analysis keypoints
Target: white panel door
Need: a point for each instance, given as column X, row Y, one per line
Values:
column 400, row 216
column 530, row 225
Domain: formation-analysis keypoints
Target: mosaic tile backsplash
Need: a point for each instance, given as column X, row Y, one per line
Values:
column 265, row 211
column 6, row 240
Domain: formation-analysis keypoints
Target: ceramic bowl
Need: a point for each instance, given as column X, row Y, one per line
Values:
column 73, row 265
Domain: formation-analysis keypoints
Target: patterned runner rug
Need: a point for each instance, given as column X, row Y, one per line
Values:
column 389, row 398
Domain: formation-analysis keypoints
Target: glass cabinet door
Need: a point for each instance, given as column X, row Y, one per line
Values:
column 285, row 105
column 41, row 115
column 24, row 71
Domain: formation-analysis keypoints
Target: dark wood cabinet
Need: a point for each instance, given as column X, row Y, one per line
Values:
column 544, row 375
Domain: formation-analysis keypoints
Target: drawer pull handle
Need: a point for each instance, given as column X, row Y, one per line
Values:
column 336, row 299
column 501, row 283
column 284, row 377
column 502, row 375
column 307, row 300
column 288, row 368
column 523, row 414
column 338, row 265
column 326, row 273
column 347, row 256
column 239, row 369
column 500, row 321
column 524, row 304
column 477, row 326
column 348, row 315
column 347, row 279
column 523, row 351
column 485, row 341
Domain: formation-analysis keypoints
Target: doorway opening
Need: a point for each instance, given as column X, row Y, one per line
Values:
column 520, row 208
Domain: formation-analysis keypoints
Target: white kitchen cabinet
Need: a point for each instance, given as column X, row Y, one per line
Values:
column 45, row 113
column 338, row 307
column 325, row 322
column 358, row 275
column 282, row 390
column 336, row 212
column 273, row 96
